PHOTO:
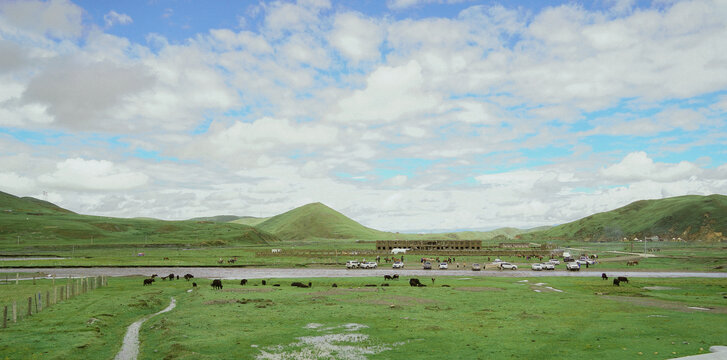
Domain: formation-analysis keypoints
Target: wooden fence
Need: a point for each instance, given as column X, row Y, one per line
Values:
column 19, row 309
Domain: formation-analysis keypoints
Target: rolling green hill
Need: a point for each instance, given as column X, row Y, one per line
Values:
column 690, row 217
column 33, row 222
column 318, row 221
column 250, row 220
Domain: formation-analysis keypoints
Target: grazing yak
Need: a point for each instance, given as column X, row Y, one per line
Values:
column 264, row 282
column 415, row 282
column 194, row 284
column 243, row 282
column 604, row 276
column 623, row 279
column 300, row 285
column 334, row 285
column 188, row 276
column 616, row 282
column 217, row 284
column 387, row 277
column 148, row 281
column 395, row 276
column 171, row 276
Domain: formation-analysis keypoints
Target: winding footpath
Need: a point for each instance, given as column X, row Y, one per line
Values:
column 130, row 348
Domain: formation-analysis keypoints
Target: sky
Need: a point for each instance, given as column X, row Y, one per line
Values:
column 405, row 115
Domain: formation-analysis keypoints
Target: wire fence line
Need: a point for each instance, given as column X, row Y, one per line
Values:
column 24, row 307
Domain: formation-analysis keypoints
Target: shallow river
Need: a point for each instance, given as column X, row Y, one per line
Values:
column 265, row 273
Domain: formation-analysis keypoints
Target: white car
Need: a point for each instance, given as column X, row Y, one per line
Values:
column 398, row 265
column 369, row 265
column 507, row 265
column 548, row 266
column 573, row 266
column 352, row 264
column 443, row 266
column 427, row 265
column 554, row 261
column 476, row 267
column 537, row 267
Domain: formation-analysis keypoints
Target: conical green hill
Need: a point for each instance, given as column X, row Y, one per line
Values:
column 317, row 221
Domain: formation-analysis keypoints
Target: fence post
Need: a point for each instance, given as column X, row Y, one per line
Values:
column 39, row 303
column 30, row 304
column 47, row 298
column 17, row 278
column 5, row 317
column 15, row 311
column 55, row 295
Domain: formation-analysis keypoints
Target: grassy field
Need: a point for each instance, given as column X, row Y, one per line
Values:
column 479, row 318
column 670, row 257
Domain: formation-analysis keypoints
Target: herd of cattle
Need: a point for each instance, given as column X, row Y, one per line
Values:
column 413, row 282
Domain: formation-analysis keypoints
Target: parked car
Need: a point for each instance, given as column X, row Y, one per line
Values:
column 554, row 261
column 427, row 265
column 476, row 267
column 548, row 266
column 443, row 266
column 537, row 267
column 369, row 265
column 398, row 265
column 352, row 264
column 508, row 266
column 573, row 266
column 587, row 260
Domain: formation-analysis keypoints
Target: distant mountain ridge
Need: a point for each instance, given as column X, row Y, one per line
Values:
column 690, row 217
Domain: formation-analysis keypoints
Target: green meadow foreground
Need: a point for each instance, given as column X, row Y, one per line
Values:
column 480, row 318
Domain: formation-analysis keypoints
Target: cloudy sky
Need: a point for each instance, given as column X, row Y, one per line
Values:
column 406, row 115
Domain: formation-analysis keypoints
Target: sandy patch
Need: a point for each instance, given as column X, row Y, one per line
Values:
column 478, row 288
column 346, row 345
column 660, row 288
column 664, row 304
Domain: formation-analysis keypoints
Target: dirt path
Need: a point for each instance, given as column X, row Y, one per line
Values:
column 130, row 348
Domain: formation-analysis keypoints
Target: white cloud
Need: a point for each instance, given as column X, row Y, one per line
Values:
column 356, row 37
column 16, row 184
column 56, row 18
column 266, row 135
column 391, row 94
column 638, row 166
column 113, row 18
column 92, row 175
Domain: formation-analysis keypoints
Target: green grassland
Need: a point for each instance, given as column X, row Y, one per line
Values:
column 480, row 318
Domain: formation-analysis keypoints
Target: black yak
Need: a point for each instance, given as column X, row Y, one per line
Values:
column 188, row 276
column 604, row 276
column 217, row 284
column 299, row 284
column 415, row 282
column 243, row 282
column 623, row 279
column 148, row 281
column 616, row 282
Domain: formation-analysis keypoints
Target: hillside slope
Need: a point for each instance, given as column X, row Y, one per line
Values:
column 690, row 217
column 33, row 222
column 317, row 221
